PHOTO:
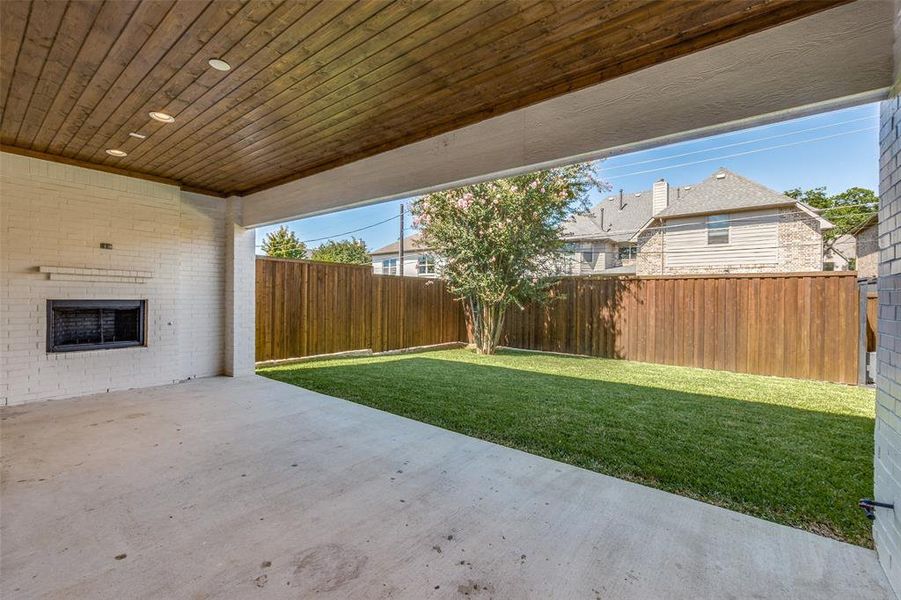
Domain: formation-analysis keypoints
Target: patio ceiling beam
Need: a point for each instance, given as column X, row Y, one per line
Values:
column 834, row 58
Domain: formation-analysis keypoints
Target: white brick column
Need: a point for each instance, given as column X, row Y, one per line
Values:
column 887, row 460
column 240, row 279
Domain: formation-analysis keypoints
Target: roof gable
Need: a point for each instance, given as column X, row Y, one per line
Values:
column 412, row 243
column 724, row 191
column 608, row 219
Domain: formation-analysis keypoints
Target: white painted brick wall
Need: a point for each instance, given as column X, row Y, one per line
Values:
column 887, row 456
column 240, row 285
column 57, row 215
column 201, row 286
column 887, row 462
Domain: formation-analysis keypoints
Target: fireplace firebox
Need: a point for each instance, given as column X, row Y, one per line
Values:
column 78, row 325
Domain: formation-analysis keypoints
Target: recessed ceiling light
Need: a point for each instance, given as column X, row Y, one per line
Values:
column 219, row 64
column 140, row 136
column 162, row 117
column 115, row 152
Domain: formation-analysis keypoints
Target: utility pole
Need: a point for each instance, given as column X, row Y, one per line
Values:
column 400, row 251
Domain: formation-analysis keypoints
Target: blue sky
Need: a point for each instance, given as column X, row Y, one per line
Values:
column 837, row 150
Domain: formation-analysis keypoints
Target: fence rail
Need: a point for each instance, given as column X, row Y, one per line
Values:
column 306, row 308
column 803, row 325
column 793, row 325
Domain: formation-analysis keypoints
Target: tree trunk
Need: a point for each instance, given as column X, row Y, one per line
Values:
column 487, row 322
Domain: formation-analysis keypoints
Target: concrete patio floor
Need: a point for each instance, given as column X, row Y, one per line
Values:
column 249, row 488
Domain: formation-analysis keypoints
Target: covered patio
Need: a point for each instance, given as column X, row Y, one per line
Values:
column 245, row 487
column 142, row 144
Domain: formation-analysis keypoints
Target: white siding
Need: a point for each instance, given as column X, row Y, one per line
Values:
column 411, row 264
column 753, row 240
column 604, row 257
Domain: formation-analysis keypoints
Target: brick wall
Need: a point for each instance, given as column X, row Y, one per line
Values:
column 887, row 462
column 867, row 252
column 201, row 268
column 240, row 286
column 58, row 215
column 800, row 242
column 649, row 260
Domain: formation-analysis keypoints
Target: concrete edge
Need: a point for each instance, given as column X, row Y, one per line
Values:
column 358, row 354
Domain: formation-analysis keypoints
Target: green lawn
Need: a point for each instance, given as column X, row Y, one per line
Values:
column 794, row 452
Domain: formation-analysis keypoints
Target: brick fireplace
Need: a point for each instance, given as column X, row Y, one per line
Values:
column 80, row 325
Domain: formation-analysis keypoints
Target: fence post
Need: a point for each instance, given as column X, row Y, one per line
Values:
column 862, row 288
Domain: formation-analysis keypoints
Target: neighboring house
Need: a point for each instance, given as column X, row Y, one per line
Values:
column 841, row 253
column 725, row 224
column 866, row 246
column 857, row 250
column 728, row 223
column 418, row 261
column 601, row 240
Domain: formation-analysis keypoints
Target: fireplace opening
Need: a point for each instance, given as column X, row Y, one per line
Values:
column 78, row 325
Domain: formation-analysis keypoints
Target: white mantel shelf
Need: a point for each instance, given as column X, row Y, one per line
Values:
column 95, row 274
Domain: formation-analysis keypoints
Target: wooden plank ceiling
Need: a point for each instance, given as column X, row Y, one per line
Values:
column 316, row 84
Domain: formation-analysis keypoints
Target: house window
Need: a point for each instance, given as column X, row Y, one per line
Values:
column 425, row 265
column 829, row 266
column 588, row 257
column 389, row 266
column 718, row 229
column 628, row 252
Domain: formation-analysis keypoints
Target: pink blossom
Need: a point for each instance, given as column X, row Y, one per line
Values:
column 533, row 185
column 464, row 202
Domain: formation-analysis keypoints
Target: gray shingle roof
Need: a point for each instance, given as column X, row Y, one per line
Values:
column 724, row 191
column 619, row 225
column 411, row 244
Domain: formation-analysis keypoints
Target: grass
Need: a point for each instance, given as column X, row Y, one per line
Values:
column 794, row 452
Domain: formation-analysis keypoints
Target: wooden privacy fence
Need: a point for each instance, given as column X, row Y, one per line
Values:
column 306, row 308
column 792, row 325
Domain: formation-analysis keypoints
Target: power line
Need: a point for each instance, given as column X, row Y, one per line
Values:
column 328, row 237
column 745, row 130
column 745, row 153
column 622, row 231
column 733, row 220
column 719, row 249
column 744, row 143
column 621, row 176
column 370, row 226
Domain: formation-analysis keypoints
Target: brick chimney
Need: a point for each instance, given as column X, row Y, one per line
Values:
column 659, row 196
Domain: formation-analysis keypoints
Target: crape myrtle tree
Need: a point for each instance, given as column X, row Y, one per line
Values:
column 498, row 239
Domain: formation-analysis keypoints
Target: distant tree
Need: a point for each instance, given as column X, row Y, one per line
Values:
column 352, row 251
column 283, row 243
column 495, row 238
column 815, row 197
column 847, row 210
